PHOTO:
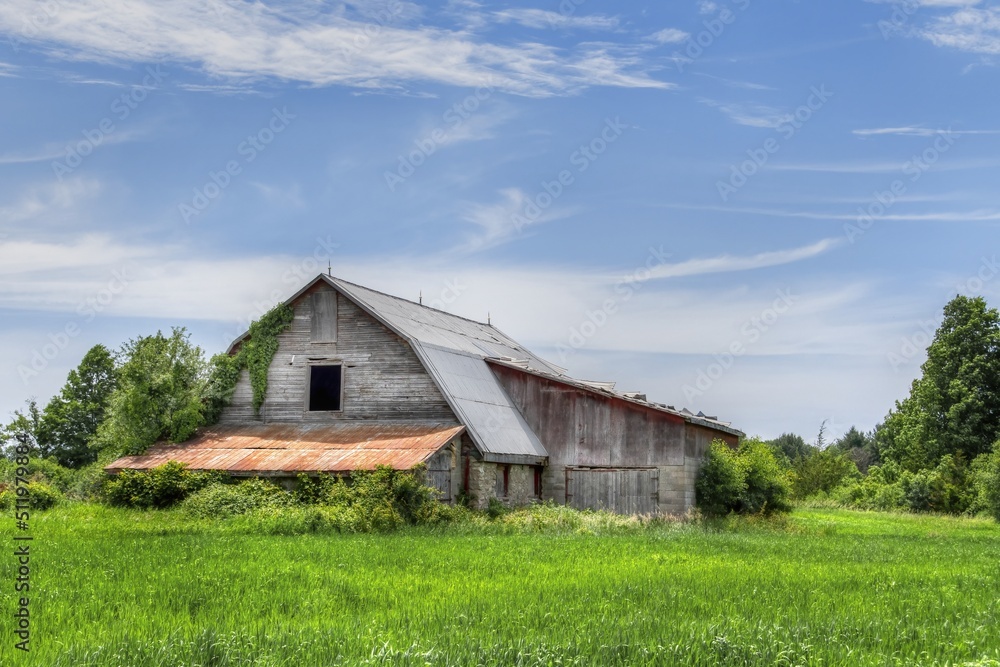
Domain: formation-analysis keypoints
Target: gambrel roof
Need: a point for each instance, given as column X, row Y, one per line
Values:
column 455, row 350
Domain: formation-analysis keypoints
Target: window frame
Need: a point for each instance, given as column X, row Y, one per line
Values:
column 309, row 379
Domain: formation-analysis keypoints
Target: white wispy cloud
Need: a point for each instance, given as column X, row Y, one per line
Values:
column 916, row 131
column 252, row 41
column 751, row 115
column 669, row 36
column 881, row 167
column 541, row 18
column 707, row 7
column 978, row 215
column 40, row 203
column 504, row 220
column 55, row 150
column 746, row 85
column 970, row 28
column 28, row 258
column 730, row 263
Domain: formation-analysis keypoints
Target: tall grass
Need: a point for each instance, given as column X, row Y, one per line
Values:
column 546, row 587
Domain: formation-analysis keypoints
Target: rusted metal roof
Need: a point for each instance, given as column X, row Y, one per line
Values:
column 279, row 449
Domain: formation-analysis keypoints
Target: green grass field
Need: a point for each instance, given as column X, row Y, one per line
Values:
column 826, row 587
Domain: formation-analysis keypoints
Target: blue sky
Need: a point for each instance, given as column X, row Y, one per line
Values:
column 752, row 209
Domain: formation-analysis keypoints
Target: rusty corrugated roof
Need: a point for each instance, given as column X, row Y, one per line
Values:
column 274, row 449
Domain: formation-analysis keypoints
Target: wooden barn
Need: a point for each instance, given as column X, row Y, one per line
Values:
column 362, row 379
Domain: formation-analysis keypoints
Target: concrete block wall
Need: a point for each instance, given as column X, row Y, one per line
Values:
column 677, row 486
column 485, row 480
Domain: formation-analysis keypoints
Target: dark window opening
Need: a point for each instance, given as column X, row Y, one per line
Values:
column 538, row 481
column 503, row 480
column 325, row 383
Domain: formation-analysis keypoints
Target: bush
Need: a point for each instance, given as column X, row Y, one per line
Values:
column 985, row 483
column 721, row 483
column 158, row 487
column 371, row 501
column 41, row 496
column 225, row 500
column 748, row 480
column 946, row 488
column 768, row 487
column 822, row 473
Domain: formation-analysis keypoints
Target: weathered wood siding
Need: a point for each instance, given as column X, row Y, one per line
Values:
column 625, row 491
column 580, row 428
column 441, row 471
column 383, row 379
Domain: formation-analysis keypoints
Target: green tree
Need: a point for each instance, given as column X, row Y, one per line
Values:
column 822, row 472
column 858, row 447
column 954, row 407
column 791, row 447
column 23, row 427
column 71, row 418
column 159, row 394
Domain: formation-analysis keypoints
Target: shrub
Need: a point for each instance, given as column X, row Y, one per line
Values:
column 768, row 487
column 822, row 473
column 721, row 482
column 41, row 496
column 748, row 480
column 158, row 487
column 315, row 489
column 225, row 500
column 985, row 483
column 372, row 501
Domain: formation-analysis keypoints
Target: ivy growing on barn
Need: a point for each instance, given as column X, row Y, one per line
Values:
column 255, row 354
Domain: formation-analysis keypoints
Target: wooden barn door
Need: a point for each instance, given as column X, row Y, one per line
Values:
column 439, row 470
column 620, row 490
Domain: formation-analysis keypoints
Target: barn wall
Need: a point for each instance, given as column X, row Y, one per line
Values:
column 481, row 480
column 583, row 429
column 383, row 379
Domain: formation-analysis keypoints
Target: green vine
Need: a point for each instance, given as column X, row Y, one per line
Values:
column 255, row 354
column 258, row 349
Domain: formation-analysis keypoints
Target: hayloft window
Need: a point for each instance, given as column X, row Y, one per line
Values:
column 324, row 317
column 326, row 384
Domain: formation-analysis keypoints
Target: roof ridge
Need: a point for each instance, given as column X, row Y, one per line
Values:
column 436, row 310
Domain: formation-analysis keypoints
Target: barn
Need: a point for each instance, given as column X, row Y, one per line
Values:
column 362, row 379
